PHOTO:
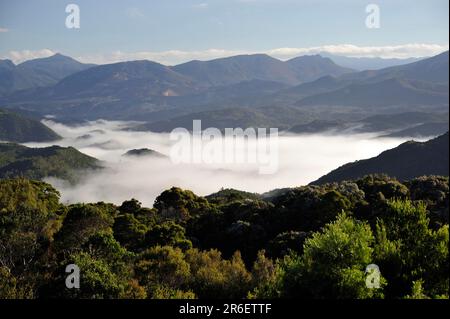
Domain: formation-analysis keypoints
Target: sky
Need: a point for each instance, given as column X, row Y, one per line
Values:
column 174, row 31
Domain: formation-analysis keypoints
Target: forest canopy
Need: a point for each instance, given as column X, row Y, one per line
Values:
column 305, row 242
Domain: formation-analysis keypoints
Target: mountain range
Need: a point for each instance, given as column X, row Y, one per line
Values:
column 367, row 63
column 37, row 73
column 241, row 68
column 247, row 86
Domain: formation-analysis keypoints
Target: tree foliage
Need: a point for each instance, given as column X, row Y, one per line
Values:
column 304, row 242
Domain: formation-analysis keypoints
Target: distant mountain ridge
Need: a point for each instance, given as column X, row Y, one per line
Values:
column 392, row 91
column 432, row 70
column 129, row 79
column 313, row 67
column 243, row 85
column 37, row 73
column 241, row 68
column 55, row 67
column 367, row 63
column 118, row 90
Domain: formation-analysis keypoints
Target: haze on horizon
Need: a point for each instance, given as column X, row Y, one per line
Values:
column 172, row 32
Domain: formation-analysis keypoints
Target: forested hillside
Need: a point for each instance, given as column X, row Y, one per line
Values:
column 17, row 128
column 306, row 242
column 39, row 163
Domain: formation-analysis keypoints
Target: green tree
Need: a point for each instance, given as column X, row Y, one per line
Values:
column 408, row 250
column 266, row 276
column 29, row 216
column 180, row 205
column 82, row 221
column 333, row 263
column 214, row 277
column 167, row 234
column 162, row 267
column 130, row 232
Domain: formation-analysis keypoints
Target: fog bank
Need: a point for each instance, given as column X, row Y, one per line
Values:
column 302, row 159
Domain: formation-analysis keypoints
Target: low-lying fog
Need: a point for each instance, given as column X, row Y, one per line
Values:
column 302, row 159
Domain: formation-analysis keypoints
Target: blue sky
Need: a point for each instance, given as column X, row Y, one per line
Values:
column 175, row 30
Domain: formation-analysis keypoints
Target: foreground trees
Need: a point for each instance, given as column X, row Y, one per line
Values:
column 306, row 242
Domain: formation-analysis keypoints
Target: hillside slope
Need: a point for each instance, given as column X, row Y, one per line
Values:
column 37, row 73
column 38, row 163
column 408, row 160
column 17, row 128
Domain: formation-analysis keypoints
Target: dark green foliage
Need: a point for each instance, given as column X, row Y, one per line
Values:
column 434, row 191
column 409, row 250
column 38, row 163
column 180, row 205
column 132, row 224
column 129, row 231
column 287, row 242
column 144, row 152
column 82, row 221
column 28, row 220
column 306, row 242
column 225, row 196
column 308, row 208
column 16, row 128
column 167, row 234
column 333, row 263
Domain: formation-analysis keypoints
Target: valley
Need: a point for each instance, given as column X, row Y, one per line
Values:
column 89, row 175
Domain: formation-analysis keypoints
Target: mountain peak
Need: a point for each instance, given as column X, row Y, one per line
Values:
column 55, row 58
column 7, row 63
column 309, row 57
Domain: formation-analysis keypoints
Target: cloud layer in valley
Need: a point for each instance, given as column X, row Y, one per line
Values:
column 302, row 159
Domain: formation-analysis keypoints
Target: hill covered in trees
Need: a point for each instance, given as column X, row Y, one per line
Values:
column 144, row 152
column 305, row 242
column 17, row 128
column 408, row 160
column 38, row 163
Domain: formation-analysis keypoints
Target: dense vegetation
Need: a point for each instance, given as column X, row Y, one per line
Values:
column 16, row 128
column 306, row 242
column 38, row 163
column 144, row 152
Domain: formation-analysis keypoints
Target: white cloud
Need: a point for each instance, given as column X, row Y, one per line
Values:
column 134, row 13
column 3, row 30
column 390, row 51
column 202, row 5
column 302, row 159
column 24, row 55
column 172, row 57
column 177, row 56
